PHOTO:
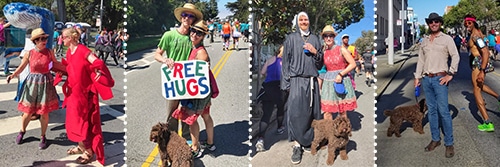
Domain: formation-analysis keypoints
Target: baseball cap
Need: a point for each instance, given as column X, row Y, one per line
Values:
column 345, row 35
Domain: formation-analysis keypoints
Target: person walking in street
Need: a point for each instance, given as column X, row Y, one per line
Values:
column 87, row 78
column 226, row 35
column 302, row 58
column 479, row 62
column 3, row 26
column 352, row 51
column 339, row 62
column 369, row 61
column 432, row 68
column 39, row 95
column 272, row 96
column 236, row 33
column 176, row 45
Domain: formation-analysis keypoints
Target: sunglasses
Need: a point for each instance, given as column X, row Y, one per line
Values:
column 433, row 21
column 197, row 32
column 42, row 39
column 188, row 15
column 468, row 23
column 328, row 36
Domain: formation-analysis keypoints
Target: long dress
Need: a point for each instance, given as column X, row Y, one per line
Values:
column 39, row 95
column 331, row 102
column 299, row 71
column 83, row 119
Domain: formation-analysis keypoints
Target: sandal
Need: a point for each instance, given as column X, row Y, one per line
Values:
column 85, row 159
column 74, row 150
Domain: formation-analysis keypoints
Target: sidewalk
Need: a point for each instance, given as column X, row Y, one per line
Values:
column 386, row 72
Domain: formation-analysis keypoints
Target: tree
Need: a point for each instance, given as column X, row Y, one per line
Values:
column 276, row 16
column 485, row 11
column 365, row 41
column 240, row 9
column 211, row 10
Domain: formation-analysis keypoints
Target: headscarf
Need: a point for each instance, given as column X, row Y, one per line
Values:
column 302, row 32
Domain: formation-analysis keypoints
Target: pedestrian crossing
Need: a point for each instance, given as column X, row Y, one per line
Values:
column 12, row 123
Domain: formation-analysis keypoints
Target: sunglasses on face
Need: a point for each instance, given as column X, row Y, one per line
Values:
column 328, row 36
column 41, row 39
column 197, row 32
column 468, row 23
column 433, row 21
column 188, row 15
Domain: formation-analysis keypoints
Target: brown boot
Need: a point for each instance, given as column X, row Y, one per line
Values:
column 432, row 145
column 450, row 152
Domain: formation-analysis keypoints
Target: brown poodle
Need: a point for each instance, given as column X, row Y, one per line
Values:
column 336, row 131
column 173, row 148
column 413, row 114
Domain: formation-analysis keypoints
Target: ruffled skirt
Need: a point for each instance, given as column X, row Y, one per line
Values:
column 331, row 102
column 39, row 95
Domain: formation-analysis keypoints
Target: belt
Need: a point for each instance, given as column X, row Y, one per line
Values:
column 436, row 74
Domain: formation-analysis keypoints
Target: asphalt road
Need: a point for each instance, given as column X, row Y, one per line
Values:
column 472, row 147
column 146, row 107
column 28, row 154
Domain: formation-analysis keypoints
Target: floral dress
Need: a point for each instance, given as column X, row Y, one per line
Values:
column 331, row 101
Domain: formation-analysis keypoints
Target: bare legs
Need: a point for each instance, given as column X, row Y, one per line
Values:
column 44, row 122
column 478, row 96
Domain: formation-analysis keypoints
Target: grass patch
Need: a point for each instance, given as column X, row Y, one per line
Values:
column 138, row 44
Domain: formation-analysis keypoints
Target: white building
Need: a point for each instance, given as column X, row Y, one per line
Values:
column 383, row 23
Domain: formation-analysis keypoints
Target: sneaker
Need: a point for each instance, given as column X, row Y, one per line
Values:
column 43, row 143
column 488, row 127
column 259, row 146
column 197, row 154
column 280, row 130
column 296, row 155
column 19, row 137
column 210, row 147
column 307, row 149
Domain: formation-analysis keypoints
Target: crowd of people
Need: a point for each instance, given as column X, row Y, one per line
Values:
column 302, row 80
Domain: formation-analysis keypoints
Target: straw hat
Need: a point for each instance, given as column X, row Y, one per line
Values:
column 328, row 29
column 188, row 7
column 37, row 33
column 200, row 26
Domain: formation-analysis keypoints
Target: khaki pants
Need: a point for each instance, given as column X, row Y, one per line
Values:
column 173, row 123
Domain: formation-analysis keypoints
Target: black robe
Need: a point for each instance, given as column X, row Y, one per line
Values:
column 299, row 72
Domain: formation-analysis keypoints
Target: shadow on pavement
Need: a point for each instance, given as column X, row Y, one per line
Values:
column 55, row 163
column 229, row 139
column 135, row 67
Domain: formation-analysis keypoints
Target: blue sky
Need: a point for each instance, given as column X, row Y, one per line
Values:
column 354, row 30
column 223, row 12
column 424, row 7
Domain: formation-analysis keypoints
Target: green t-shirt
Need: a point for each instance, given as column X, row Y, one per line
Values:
column 176, row 45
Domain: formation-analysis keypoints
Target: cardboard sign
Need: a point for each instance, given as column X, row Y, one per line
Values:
column 186, row 80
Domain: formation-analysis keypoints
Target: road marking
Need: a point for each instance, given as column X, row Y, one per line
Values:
column 12, row 125
column 222, row 61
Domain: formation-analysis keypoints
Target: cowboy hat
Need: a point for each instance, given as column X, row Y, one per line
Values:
column 188, row 7
column 328, row 29
column 200, row 26
column 433, row 16
column 37, row 33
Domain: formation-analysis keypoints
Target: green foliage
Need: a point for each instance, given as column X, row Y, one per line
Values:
column 423, row 30
column 240, row 9
column 211, row 10
column 276, row 16
column 365, row 41
column 484, row 10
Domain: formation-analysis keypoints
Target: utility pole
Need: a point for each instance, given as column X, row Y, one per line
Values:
column 390, row 41
column 100, row 17
column 403, row 18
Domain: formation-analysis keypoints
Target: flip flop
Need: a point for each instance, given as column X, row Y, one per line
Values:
column 85, row 160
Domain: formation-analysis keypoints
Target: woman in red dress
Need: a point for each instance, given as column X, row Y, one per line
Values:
column 88, row 77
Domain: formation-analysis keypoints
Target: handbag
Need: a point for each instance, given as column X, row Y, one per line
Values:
column 340, row 88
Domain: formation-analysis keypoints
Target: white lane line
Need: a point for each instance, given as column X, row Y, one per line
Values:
column 13, row 124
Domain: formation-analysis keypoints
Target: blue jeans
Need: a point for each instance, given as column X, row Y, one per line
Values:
column 436, row 97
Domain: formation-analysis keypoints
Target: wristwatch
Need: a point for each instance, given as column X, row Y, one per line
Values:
column 450, row 73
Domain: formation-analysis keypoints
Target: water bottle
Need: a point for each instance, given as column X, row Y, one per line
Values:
column 417, row 91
